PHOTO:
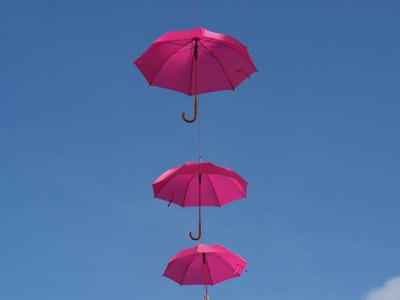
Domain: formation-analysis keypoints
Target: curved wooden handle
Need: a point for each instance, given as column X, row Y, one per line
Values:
column 197, row 237
column 194, row 112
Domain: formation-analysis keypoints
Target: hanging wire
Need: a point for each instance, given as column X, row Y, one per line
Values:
column 199, row 143
column 195, row 13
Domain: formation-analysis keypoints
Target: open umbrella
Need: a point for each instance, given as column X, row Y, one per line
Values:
column 205, row 265
column 195, row 61
column 199, row 184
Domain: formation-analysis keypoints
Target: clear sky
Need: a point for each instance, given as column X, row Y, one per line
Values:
column 315, row 132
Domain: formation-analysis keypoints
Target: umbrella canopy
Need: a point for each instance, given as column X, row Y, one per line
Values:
column 196, row 61
column 223, row 61
column 200, row 184
column 204, row 264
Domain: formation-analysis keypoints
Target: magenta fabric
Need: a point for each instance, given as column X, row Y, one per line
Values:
column 189, row 267
column 219, row 185
column 223, row 62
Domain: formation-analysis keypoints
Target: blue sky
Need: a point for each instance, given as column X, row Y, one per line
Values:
column 315, row 132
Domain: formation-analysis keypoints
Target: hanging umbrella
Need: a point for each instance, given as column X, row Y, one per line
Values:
column 194, row 62
column 199, row 184
column 205, row 265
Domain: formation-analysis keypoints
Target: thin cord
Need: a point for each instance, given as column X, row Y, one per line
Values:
column 195, row 13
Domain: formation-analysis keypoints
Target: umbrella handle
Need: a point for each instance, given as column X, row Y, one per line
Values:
column 197, row 237
column 194, row 112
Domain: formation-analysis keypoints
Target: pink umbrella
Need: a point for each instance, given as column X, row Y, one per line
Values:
column 195, row 61
column 200, row 184
column 204, row 264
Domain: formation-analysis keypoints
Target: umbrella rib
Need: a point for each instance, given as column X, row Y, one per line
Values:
column 192, row 64
column 215, row 191
column 187, row 268
column 187, row 189
column 209, row 52
column 230, row 266
column 176, row 42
